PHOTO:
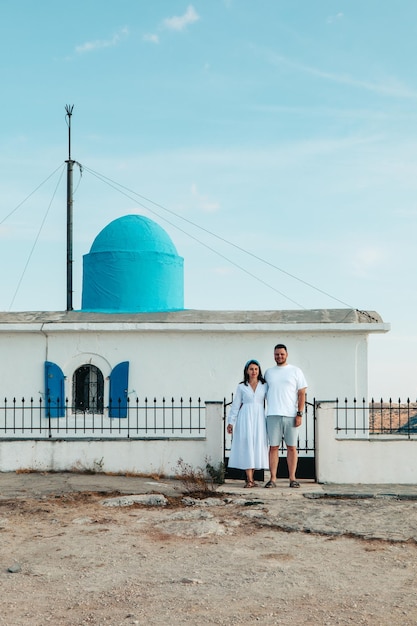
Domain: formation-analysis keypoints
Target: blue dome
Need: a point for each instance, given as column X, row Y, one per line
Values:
column 133, row 233
column 132, row 267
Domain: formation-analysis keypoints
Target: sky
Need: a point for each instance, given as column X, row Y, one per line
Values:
column 275, row 141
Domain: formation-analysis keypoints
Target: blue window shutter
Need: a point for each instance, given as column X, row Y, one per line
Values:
column 54, row 390
column 119, row 380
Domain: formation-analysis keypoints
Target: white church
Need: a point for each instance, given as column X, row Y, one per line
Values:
column 76, row 386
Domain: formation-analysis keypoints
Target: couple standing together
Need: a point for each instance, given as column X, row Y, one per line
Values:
column 256, row 441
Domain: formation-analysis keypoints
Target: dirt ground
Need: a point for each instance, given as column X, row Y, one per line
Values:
column 70, row 560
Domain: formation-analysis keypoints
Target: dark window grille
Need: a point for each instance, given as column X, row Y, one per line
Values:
column 88, row 390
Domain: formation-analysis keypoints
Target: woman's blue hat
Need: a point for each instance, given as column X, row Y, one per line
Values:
column 252, row 361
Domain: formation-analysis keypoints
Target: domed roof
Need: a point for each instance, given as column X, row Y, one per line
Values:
column 133, row 266
column 133, row 233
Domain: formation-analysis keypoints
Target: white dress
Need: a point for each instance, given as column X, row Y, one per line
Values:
column 247, row 415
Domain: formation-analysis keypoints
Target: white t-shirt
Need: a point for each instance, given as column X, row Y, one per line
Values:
column 284, row 382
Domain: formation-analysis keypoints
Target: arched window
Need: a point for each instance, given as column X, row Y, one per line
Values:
column 88, row 390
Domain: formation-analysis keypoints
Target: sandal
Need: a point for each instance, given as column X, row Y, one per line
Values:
column 294, row 484
column 250, row 483
column 270, row 484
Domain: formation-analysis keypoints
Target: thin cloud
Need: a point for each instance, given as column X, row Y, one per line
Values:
column 180, row 22
column 391, row 87
column 222, row 271
column 335, row 18
column 91, row 46
column 305, row 111
column 202, row 202
column 367, row 260
column 151, row 38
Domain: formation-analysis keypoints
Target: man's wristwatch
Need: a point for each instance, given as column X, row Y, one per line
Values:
column 299, row 413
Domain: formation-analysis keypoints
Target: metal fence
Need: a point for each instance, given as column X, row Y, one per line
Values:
column 306, row 433
column 144, row 419
column 371, row 418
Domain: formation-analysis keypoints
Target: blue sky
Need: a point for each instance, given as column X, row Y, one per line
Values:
column 286, row 127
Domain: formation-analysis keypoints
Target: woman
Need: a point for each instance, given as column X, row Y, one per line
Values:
column 246, row 422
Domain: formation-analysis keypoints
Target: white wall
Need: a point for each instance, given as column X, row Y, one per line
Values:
column 369, row 460
column 188, row 360
column 127, row 456
column 172, row 360
column 377, row 460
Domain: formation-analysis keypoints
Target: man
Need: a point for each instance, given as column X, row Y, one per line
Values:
column 285, row 405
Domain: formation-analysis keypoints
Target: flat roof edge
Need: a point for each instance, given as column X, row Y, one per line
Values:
column 193, row 316
column 190, row 328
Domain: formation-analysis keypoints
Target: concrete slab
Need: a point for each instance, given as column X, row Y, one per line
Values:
column 20, row 485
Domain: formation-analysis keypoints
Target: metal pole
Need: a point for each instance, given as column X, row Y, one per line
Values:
column 70, row 167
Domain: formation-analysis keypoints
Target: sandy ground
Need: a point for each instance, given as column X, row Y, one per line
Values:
column 244, row 557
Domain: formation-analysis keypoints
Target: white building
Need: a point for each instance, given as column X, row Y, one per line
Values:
column 133, row 339
column 185, row 353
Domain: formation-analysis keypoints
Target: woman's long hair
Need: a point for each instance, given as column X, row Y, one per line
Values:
column 246, row 374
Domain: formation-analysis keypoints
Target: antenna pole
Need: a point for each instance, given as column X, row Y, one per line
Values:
column 70, row 167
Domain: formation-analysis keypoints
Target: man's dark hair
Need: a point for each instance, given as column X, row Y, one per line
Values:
column 281, row 345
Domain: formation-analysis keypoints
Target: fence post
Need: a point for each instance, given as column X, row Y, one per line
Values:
column 214, row 432
column 326, row 453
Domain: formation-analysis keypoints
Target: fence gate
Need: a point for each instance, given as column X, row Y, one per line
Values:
column 306, row 448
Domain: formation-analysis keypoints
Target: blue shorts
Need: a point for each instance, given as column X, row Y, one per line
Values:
column 281, row 427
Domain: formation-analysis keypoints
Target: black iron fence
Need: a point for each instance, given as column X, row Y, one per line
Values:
column 150, row 418
column 376, row 418
column 35, row 419
column 305, row 446
column 306, row 433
